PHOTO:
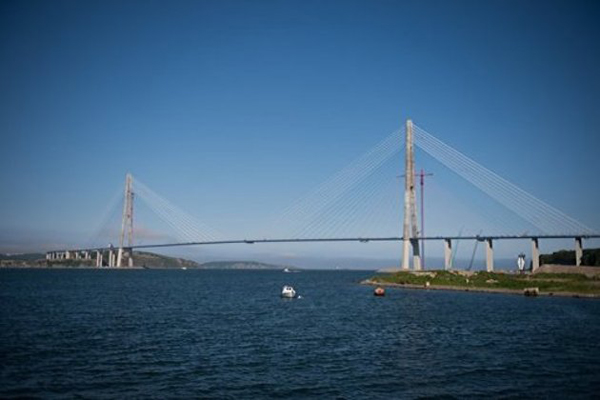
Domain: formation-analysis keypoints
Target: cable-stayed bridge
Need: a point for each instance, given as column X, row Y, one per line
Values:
column 361, row 203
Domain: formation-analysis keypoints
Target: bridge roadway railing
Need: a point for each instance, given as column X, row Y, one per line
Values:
column 115, row 256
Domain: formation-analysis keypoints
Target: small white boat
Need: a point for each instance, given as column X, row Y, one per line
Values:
column 288, row 292
column 287, row 270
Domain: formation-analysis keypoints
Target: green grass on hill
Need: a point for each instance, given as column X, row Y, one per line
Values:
column 547, row 283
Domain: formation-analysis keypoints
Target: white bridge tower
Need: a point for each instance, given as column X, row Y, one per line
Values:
column 410, row 234
column 126, row 239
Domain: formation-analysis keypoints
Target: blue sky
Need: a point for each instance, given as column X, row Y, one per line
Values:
column 232, row 110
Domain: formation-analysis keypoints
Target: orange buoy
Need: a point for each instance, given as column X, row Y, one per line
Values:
column 379, row 291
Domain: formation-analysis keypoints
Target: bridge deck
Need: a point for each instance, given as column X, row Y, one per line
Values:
column 357, row 239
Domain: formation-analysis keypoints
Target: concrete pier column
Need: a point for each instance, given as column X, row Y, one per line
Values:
column 68, row 255
column 129, row 253
column 110, row 258
column 98, row 264
column 535, row 254
column 120, row 257
column 416, row 254
column 405, row 255
column 447, row 254
column 489, row 255
column 578, row 251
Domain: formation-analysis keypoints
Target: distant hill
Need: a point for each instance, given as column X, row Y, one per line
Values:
column 591, row 257
column 153, row 260
column 141, row 259
column 240, row 265
column 22, row 256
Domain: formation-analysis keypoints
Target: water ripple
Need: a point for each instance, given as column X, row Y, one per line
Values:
column 227, row 334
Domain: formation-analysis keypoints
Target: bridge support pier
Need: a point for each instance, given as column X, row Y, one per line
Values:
column 578, row 251
column 447, row 254
column 405, row 254
column 111, row 256
column 98, row 259
column 489, row 255
column 416, row 254
column 535, row 254
column 120, row 257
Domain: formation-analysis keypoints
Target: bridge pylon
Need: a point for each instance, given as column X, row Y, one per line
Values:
column 126, row 224
column 410, row 235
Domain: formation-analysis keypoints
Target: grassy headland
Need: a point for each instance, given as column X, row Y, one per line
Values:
column 548, row 284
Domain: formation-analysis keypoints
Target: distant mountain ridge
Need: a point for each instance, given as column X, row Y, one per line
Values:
column 141, row 259
column 240, row 265
column 152, row 260
column 21, row 256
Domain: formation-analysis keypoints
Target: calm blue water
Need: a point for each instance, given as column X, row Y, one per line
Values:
column 227, row 334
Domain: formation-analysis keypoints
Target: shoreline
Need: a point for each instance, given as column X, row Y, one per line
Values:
column 369, row 282
column 3, row 267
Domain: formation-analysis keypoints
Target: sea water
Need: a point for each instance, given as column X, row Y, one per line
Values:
column 228, row 334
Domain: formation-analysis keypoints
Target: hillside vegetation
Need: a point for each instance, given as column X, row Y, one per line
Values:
column 239, row 265
column 591, row 257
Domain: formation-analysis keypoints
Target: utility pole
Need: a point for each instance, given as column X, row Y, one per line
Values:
column 422, row 176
